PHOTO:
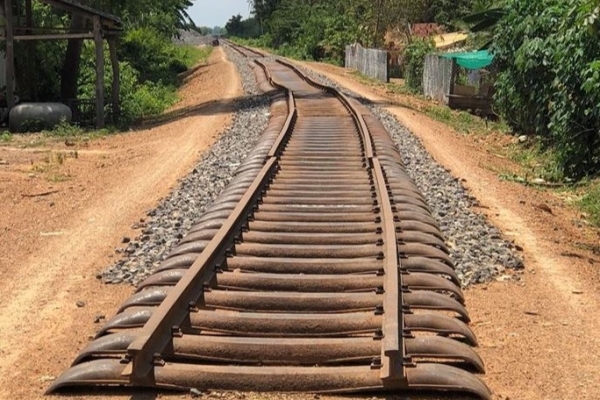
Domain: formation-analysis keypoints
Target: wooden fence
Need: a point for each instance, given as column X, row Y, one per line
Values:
column 370, row 62
column 438, row 77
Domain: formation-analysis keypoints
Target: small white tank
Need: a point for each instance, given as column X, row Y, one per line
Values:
column 41, row 115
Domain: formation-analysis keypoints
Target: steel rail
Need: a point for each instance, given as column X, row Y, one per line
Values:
column 238, row 47
column 156, row 335
column 169, row 316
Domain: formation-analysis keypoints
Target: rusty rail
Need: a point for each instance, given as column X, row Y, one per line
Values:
column 243, row 50
column 318, row 269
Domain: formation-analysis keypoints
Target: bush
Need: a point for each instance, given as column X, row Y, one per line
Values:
column 549, row 84
column 590, row 203
column 148, row 100
column 152, row 55
column 414, row 58
column 143, row 93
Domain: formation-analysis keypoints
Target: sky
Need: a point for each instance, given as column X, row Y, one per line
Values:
column 217, row 12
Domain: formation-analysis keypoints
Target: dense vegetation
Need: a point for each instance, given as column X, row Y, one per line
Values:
column 321, row 29
column 414, row 57
column 548, row 54
column 149, row 61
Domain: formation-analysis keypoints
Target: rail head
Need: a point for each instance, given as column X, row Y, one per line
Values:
column 393, row 352
column 237, row 47
column 292, row 113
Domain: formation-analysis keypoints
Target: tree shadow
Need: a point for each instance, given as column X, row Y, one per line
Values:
column 213, row 107
column 191, row 71
column 410, row 395
column 112, row 392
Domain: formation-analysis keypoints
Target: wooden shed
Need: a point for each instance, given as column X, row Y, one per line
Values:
column 462, row 81
column 100, row 26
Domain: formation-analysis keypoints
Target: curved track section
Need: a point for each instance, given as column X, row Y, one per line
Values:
column 318, row 269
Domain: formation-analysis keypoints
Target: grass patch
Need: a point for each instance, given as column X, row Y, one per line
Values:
column 400, row 89
column 590, row 204
column 464, row 122
column 36, row 142
column 389, row 86
column 73, row 132
column 536, row 161
column 192, row 55
column 6, row 137
column 52, row 165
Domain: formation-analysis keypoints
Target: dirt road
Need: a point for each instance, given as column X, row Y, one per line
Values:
column 66, row 208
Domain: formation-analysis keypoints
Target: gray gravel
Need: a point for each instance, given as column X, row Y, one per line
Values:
column 175, row 215
column 477, row 248
column 193, row 38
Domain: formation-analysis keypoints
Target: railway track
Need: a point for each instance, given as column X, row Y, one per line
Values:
column 318, row 269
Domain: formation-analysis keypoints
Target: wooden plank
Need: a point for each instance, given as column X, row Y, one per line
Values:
column 482, row 105
column 99, row 41
column 57, row 36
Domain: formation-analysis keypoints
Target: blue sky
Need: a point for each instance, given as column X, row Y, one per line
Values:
column 217, row 12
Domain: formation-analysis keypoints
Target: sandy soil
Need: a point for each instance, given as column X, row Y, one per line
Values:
column 66, row 206
column 538, row 330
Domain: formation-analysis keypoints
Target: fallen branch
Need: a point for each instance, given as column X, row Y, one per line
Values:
column 40, row 194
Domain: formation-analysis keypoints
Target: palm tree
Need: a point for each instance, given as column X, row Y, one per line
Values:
column 485, row 19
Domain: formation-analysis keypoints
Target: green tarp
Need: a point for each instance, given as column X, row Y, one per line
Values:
column 472, row 60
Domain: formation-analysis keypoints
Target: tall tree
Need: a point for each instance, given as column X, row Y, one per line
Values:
column 234, row 26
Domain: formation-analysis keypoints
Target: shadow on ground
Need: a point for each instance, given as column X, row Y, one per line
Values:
column 214, row 107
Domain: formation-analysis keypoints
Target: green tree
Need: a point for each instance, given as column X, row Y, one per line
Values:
column 234, row 26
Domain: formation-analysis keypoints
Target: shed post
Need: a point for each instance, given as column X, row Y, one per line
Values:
column 10, row 55
column 32, row 89
column 99, row 72
column 116, row 78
